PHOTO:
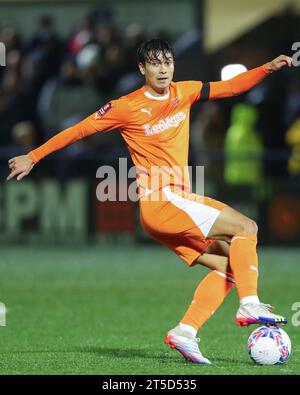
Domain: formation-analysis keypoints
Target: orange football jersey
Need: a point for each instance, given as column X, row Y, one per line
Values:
column 155, row 129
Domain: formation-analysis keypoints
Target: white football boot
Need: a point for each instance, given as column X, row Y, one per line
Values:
column 252, row 313
column 186, row 344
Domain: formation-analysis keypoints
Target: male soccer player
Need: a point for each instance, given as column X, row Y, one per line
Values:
column 154, row 122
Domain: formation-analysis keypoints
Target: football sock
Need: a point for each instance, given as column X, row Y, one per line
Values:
column 188, row 328
column 208, row 296
column 244, row 263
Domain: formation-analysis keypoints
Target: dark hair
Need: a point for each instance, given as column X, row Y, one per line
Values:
column 151, row 49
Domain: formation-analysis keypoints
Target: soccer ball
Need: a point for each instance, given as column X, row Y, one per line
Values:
column 269, row 345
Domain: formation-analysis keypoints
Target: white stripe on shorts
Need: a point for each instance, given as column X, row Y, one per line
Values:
column 204, row 216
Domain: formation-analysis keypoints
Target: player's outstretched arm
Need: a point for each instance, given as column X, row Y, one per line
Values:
column 21, row 166
column 111, row 116
column 247, row 80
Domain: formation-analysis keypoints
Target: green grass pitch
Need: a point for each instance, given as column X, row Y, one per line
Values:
column 98, row 310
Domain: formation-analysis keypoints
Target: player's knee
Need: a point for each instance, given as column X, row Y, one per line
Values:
column 249, row 226
column 255, row 227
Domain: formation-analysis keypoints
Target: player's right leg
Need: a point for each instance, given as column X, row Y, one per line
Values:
column 208, row 297
column 182, row 233
column 213, row 289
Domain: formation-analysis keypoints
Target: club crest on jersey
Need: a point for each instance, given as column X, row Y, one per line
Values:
column 164, row 124
column 103, row 110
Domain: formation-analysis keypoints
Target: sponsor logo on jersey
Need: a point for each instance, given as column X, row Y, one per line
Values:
column 165, row 124
column 103, row 110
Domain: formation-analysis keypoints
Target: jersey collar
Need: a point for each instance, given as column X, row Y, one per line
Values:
column 148, row 94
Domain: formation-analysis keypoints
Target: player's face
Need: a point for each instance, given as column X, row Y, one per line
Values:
column 158, row 73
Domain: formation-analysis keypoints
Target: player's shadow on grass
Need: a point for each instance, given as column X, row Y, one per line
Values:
column 129, row 353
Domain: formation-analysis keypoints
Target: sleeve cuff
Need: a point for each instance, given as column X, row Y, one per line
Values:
column 266, row 70
column 32, row 157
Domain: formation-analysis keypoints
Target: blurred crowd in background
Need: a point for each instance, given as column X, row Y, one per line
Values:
column 50, row 83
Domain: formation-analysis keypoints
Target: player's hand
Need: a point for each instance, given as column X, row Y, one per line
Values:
column 20, row 166
column 279, row 62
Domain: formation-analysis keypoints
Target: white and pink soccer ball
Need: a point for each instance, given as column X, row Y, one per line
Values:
column 269, row 346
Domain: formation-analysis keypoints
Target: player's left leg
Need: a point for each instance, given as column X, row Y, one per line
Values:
column 244, row 265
